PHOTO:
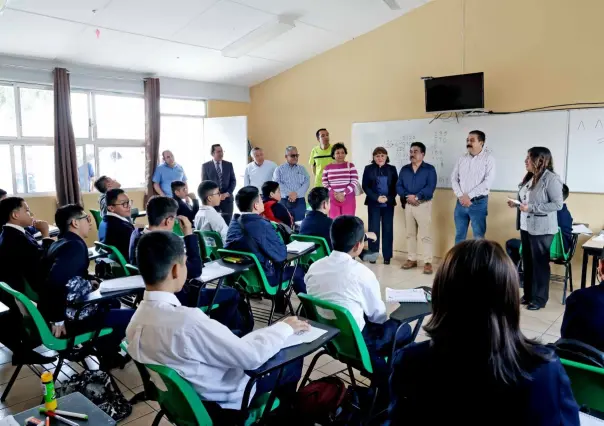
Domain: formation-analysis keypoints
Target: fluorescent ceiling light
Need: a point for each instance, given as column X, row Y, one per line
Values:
column 393, row 4
column 257, row 38
column 3, row 4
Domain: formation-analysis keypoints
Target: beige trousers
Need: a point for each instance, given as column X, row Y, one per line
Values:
column 418, row 220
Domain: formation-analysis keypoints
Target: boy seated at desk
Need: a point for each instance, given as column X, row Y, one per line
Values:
column 203, row 351
column 342, row 280
column 104, row 184
column 68, row 280
column 180, row 191
column 252, row 233
column 162, row 213
column 317, row 221
column 207, row 218
column 116, row 228
column 21, row 258
column 273, row 210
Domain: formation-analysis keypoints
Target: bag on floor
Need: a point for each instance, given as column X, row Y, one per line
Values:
column 99, row 388
column 320, row 400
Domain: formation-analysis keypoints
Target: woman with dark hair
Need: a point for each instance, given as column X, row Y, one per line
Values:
column 341, row 179
column 540, row 197
column 478, row 368
column 379, row 184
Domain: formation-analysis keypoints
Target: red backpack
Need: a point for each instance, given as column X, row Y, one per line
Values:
column 319, row 400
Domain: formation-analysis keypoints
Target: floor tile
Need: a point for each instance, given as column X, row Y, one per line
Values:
column 536, row 324
column 549, row 338
column 139, row 410
column 332, row 367
column 146, row 421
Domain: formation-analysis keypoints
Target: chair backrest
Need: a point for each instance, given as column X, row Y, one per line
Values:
column 209, row 244
column 96, row 214
column 349, row 346
column 114, row 254
column 133, row 270
column 253, row 280
column 321, row 251
column 587, row 383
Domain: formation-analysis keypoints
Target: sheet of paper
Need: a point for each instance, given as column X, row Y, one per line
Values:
column 411, row 295
column 581, row 229
column 125, row 283
column 599, row 239
column 299, row 246
column 51, row 230
column 587, row 420
column 308, row 336
column 514, row 201
column 214, row 270
column 9, row 421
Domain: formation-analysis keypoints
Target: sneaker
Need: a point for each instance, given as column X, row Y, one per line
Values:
column 428, row 269
column 409, row 264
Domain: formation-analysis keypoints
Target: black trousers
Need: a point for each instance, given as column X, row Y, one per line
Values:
column 384, row 216
column 537, row 271
column 226, row 208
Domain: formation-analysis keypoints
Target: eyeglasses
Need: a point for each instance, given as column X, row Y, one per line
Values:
column 125, row 204
column 294, row 155
column 86, row 216
column 215, row 193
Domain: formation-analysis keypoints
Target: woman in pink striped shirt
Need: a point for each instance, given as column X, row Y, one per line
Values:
column 340, row 178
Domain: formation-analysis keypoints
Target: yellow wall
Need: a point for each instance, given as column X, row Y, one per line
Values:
column 227, row 109
column 533, row 53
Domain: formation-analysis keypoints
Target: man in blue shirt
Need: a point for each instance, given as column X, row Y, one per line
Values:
column 294, row 181
column 167, row 173
column 416, row 185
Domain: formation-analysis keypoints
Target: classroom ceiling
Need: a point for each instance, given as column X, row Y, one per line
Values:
column 184, row 38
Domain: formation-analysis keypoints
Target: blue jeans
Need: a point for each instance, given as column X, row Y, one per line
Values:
column 477, row 214
column 297, row 209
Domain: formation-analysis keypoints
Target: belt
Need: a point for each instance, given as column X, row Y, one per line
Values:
column 480, row 197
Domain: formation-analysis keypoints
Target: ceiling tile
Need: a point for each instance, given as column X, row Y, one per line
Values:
column 158, row 18
column 281, row 7
column 75, row 10
column 222, row 24
column 50, row 39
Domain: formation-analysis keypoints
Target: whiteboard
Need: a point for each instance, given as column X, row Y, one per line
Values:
column 508, row 139
column 586, row 151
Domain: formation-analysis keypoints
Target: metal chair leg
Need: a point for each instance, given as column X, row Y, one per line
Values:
column 158, row 418
column 353, row 382
column 11, row 383
column 58, row 368
column 270, row 317
column 565, row 284
column 570, row 276
column 312, row 366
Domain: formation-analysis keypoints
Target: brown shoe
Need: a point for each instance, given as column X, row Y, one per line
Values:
column 409, row 264
column 428, row 268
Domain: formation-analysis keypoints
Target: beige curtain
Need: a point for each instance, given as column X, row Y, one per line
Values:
column 152, row 129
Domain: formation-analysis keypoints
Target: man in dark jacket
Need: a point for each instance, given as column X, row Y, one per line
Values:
column 222, row 173
column 21, row 259
column 180, row 191
column 116, row 227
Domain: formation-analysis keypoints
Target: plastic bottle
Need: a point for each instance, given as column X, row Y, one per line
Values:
column 50, row 396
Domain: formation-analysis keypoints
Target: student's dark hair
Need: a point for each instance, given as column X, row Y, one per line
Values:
column 3, row 193
column 216, row 145
column 565, row 192
column 8, row 206
column 542, row 160
column 66, row 214
column 160, row 208
column 319, row 131
column 156, row 253
column 337, row 146
column 268, row 187
column 112, row 196
column 246, row 197
column 317, row 196
column 101, row 184
column 482, row 267
column 380, row 150
column 480, row 135
column 420, row 145
column 205, row 189
column 346, row 231
column 176, row 185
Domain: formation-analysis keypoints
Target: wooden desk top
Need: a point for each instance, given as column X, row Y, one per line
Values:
column 593, row 244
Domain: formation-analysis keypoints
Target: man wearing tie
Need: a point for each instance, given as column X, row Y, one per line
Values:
column 222, row 173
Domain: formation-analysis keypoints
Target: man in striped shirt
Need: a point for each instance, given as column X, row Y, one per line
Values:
column 471, row 180
column 293, row 180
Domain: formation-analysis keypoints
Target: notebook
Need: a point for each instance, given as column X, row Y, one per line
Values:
column 299, row 246
column 587, row 420
column 214, row 270
column 581, row 229
column 412, row 295
column 125, row 283
column 305, row 337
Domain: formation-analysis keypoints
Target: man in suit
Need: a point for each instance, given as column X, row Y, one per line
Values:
column 222, row 173
column 180, row 191
column 21, row 258
column 584, row 313
column 116, row 227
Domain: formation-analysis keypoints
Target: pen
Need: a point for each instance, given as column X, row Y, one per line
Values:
column 47, row 421
column 65, row 413
column 62, row 419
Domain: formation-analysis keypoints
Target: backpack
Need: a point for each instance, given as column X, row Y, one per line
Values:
column 99, row 388
column 320, row 400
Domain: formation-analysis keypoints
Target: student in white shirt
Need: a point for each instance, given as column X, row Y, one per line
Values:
column 203, row 351
column 207, row 218
column 340, row 279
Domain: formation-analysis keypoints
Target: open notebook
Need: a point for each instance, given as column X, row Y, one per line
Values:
column 587, row 420
column 411, row 295
column 125, row 283
column 214, row 270
column 299, row 246
column 306, row 337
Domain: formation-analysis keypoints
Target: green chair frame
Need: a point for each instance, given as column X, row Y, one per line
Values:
column 35, row 324
column 96, row 214
column 209, row 253
column 115, row 255
column 177, row 229
column 321, row 251
column 587, row 383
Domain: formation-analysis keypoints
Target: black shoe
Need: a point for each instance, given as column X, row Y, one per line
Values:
column 386, row 261
column 533, row 307
column 32, row 357
column 115, row 360
column 523, row 301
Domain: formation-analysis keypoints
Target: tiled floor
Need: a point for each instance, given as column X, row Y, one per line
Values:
column 543, row 324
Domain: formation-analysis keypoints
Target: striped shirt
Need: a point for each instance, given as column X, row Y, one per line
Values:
column 340, row 177
column 473, row 175
column 292, row 179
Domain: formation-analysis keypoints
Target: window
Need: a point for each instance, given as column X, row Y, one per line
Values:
column 124, row 164
column 6, row 169
column 80, row 114
column 37, row 112
column 8, row 118
column 40, row 167
column 182, row 107
column 119, row 117
column 86, row 167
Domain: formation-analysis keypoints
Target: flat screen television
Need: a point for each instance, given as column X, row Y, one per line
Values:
column 464, row 92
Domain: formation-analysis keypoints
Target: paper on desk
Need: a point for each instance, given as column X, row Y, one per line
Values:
column 125, row 283
column 51, row 229
column 306, row 337
column 599, row 238
column 299, row 246
column 214, row 270
column 411, row 295
column 9, row 421
column 581, row 229
column 587, row 420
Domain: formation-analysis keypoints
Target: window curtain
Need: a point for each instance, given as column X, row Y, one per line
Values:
column 152, row 129
column 66, row 164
